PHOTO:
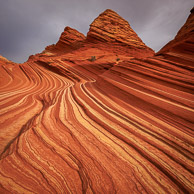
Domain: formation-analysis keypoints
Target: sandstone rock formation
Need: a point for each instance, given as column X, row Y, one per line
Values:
column 118, row 124
column 69, row 39
column 184, row 40
column 111, row 28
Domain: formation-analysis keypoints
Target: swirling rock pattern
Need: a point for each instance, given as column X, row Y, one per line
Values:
column 71, row 125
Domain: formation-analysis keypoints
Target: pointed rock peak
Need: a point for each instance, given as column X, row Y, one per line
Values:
column 70, row 37
column 69, row 30
column 110, row 12
column 111, row 27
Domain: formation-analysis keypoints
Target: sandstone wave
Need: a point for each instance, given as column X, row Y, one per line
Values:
column 91, row 118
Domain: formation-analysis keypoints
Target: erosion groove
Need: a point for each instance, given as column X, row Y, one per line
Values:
column 71, row 125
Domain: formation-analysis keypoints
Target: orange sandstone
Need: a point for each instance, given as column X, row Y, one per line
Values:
column 72, row 125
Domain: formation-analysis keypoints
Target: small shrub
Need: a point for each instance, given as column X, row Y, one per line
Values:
column 93, row 58
column 118, row 59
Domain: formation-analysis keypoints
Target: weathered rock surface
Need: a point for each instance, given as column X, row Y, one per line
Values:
column 184, row 40
column 117, row 124
column 69, row 39
column 111, row 28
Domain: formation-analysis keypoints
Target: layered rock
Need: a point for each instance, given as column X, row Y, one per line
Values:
column 184, row 40
column 117, row 124
column 69, row 39
column 109, row 32
column 109, row 27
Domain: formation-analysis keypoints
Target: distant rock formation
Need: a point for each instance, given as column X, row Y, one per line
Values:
column 109, row 27
column 3, row 59
column 69, row 39
column 184, row 40
column 99, row 114
column 110, row 32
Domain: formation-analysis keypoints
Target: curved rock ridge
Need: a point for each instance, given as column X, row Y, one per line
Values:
column 184, row 40
column 114, row 124
column 110, row 27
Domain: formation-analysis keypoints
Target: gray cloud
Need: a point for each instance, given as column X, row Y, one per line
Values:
column 28, row 26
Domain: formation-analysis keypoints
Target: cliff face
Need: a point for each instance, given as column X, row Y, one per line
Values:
column 85, row 117
column 183, row 42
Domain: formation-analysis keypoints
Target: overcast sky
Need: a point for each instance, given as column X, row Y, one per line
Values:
column 28, row 26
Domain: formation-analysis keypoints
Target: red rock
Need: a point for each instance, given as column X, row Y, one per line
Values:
column 3, row 59
column 184, row 40
column 69, row 39
column 114, row 124
column 111, row 28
